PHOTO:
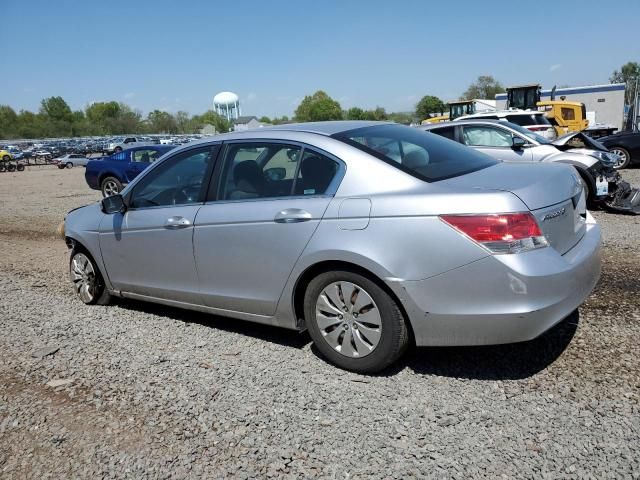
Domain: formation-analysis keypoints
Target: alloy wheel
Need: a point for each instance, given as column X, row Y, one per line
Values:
column 621, row 157
column 110, row 188
column 348, row 319
column 83, row 276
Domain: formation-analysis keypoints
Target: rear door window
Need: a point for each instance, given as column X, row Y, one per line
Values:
column 446, row 132
column 423, row 155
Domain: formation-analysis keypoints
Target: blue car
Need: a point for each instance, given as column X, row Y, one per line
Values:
column 110, row 174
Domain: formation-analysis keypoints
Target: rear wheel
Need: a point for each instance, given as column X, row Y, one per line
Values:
column 353, row 322
column 3, row 167
column 110, row 186
column 20, row 167
column 11, row 168
column 6, row 158
column 88, row 283
column 68, row 165
column 624, row 158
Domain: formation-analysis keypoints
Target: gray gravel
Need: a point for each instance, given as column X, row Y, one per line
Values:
column 144, row 391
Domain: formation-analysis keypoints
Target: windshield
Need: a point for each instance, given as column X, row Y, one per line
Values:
column 421, row 154
column 528, row 133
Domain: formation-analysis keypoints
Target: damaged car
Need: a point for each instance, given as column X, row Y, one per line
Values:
column 512, row 143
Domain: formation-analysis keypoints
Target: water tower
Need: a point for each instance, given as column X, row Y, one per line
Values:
column 227, row 104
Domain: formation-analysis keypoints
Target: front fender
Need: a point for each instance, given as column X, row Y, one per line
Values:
column 575, row 159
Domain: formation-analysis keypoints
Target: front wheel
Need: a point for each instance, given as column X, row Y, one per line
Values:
column 69, row 165
column 88, row 283
column 624, row 158
column 353, row 322
column 110, row 186
column 20, row 167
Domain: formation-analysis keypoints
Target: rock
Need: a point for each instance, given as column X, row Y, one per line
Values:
column 59, row 383
column 45, row 351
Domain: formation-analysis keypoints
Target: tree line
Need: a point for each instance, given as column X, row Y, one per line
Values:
column 56, row 119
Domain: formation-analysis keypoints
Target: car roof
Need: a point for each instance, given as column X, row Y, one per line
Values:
column 501, row 113
column 435, row 126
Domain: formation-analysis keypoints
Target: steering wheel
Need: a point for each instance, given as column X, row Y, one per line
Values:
column 188, row 193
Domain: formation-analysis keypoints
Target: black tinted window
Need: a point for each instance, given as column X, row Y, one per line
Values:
column 528, row 119
column 446, row 132
column 421, row 154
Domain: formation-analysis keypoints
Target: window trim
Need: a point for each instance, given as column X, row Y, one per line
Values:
column 214, row 188
column 215, row 151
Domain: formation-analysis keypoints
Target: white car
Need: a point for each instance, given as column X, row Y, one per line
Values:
column 70, row 160
column 535, row 121
column 120, row 143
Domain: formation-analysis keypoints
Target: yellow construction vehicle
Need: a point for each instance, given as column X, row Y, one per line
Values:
column 463, row 107
column 564, row 116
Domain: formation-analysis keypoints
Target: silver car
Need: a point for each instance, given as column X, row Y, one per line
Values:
column 369, row 235
column 70, row 160
column 512, row 143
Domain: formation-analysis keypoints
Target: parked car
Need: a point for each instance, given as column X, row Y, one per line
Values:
column 120, row 143
column 70, row 160
column 110, row 174
column 537, row 122
column 512, row 143
column 5, row 155
column 626, row 145
column 368, row 234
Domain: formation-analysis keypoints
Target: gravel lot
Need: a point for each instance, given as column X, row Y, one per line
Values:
column 138, row 390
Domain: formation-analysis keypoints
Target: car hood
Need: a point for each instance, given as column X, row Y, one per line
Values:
column 590, row 143
column 538, row 185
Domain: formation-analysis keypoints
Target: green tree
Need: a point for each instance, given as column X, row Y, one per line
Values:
column 354, row 113
column 161, row 122
column 402, row 117
column 265, row 119
column 210, row 117
column 377, row 114
column 318, row 107
column 628, row 74
column 56, row 109
column 429, row 105
column 484, row 87
column 8, row 122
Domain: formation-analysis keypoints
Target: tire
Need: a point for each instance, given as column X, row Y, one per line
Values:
column 68, row 165
column 11, row 168
column 378, row 332
column 20, row 167
column 61, row 167
column 88, row 283
column 6, row 158
column 110, row 186
column 625, row 157
column 3, row 168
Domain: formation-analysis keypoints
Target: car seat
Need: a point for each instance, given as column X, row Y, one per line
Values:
column 317, row 173
column 249, row 181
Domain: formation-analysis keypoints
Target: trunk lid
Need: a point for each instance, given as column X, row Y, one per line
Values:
column 553, row 193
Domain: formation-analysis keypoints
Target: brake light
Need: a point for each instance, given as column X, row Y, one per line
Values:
column 500, row 233
column 538, row 129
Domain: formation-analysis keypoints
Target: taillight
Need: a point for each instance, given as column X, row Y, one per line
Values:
column 500, row 233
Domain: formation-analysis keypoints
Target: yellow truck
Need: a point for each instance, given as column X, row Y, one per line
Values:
column 564, row 116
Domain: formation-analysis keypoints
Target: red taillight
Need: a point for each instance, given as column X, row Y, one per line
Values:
column 538, row 129
column 500, row 233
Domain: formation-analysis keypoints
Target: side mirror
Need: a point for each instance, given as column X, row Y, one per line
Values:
column 275, row 174
column 518, row 143
column 113, row 204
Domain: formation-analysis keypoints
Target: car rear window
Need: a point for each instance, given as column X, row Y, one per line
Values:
column 528, row 119
column 423, row 155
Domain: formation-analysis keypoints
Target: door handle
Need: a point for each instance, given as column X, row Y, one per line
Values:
column 292, row 215
column 174, row 223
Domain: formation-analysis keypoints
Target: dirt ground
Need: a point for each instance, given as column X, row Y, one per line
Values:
column 595, row 370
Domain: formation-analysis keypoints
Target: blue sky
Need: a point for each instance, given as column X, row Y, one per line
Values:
column 177, row 55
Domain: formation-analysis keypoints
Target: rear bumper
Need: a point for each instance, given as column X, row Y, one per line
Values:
column 502, row 298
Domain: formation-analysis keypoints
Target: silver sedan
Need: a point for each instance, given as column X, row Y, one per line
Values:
column 368, row 235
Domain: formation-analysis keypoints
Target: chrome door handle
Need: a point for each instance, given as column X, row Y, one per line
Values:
column 292, row 215
column 174, row 223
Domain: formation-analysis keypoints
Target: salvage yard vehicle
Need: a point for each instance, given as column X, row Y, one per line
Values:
column 534, row 121
column 5, row 155
column 110, row 174
column 70, row 160
column 512, row 143
column 626, row 145
column 120, row 143
column 369, row 235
